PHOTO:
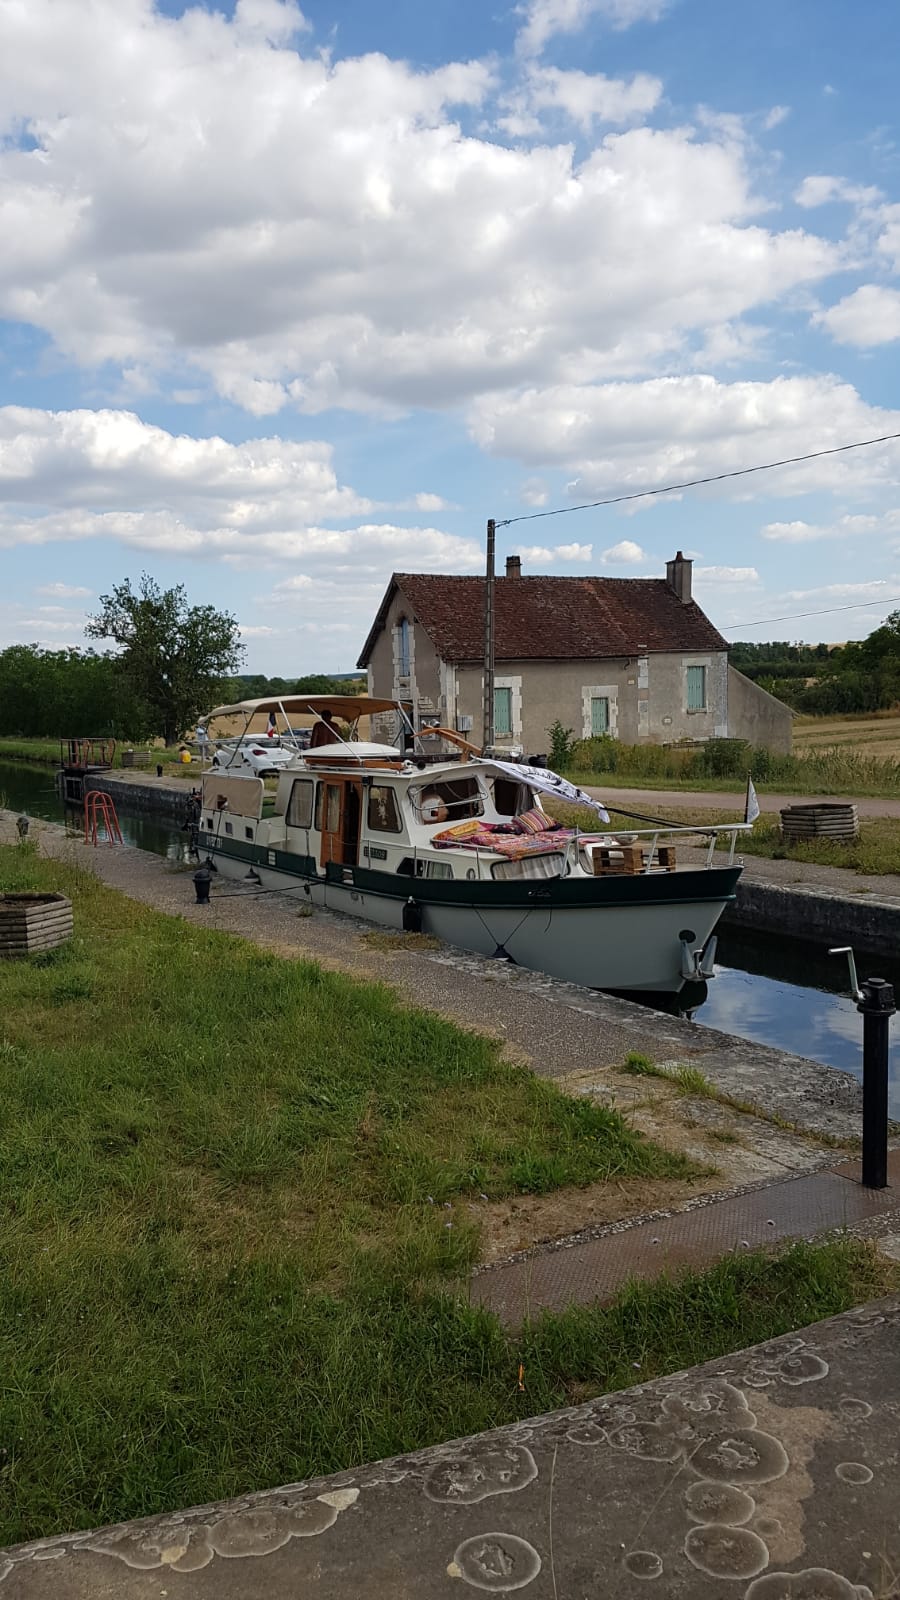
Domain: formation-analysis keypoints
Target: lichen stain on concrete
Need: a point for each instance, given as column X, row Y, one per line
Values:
column 643, row 1564
column 496, row 1562
column 718, row 1502
column 474, row 1475
column 855, row 1472
column 725, row 1552
column 853, row 1410
column 800, row 1429
column 813, row 1583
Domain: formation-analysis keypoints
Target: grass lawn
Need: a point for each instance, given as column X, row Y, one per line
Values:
column 232, row 1251
column 46, row 752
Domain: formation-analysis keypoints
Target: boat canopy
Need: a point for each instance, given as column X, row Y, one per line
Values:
column 348, row 706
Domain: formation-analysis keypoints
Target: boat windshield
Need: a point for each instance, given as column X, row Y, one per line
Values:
column 447, row 800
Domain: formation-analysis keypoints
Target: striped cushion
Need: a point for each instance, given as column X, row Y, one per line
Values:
column 534, row 822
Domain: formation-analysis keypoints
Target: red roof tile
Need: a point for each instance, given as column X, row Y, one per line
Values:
column 544, row 619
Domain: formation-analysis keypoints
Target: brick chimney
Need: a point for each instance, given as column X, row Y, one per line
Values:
column 678, row 577
column 514, row 566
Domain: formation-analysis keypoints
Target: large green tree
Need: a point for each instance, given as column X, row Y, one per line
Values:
column 173, row 656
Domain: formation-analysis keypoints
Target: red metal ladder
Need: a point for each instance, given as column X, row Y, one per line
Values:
column 100, row 813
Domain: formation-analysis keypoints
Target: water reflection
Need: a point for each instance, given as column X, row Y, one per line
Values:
column 33, row 790
column 783, row 992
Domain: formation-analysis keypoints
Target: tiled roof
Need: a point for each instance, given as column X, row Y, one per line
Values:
column 552, row 619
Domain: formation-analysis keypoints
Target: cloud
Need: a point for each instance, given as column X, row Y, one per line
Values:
column 394, row 260
column 255, row 631
column 64, row 591
column 621, row 438
column 846, row 527
column 544, row 555
column 546, row 18
column 626, row 553
column 821, row 189
column 869, row 316
column 79, row 475
column 583, row 97
column 430, row 502
column 775, row 117
column 727, row 576
column 534, row 492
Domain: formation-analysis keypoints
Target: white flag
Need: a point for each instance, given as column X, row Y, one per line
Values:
column 751, row 810
column 547, row 782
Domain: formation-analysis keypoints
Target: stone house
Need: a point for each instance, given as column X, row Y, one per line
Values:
column 634, row 658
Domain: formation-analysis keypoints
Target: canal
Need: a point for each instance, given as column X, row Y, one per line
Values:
column 767, row 989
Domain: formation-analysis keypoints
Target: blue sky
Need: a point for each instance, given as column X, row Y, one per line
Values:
column 292, row 298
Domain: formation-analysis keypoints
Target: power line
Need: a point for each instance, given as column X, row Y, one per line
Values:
column 796, row 616
column 694, row 483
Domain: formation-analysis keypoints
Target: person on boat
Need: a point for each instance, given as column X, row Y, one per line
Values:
column 325, row 731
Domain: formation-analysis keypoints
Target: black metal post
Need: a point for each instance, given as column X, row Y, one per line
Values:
column 877, row 1007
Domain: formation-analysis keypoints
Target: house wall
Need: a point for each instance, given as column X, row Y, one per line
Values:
column 755, row 715
column 425, row 683
column 647, row 698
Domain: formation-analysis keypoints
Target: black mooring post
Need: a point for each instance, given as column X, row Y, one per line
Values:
column 877, row 1007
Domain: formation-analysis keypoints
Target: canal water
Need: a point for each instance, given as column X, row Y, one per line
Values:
column 779, row 992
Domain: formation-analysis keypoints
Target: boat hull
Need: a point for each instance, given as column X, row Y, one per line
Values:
column 625, row 933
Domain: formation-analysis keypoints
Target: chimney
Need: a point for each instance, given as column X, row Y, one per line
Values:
column 678, row 577
column 514, row 566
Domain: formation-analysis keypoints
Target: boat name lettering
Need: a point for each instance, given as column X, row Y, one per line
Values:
column 375, row 853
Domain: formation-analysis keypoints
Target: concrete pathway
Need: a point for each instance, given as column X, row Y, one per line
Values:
column 596, row 1266
column 770, row 1474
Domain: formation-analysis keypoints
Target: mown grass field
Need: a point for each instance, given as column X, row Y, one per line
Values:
column 46, row 753
column 865, row 736
column 234, row 1253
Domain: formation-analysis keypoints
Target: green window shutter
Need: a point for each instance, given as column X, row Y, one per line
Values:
column 503, row 710
column 599, row 716
column 696, row 688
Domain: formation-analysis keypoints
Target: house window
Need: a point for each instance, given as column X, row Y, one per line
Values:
column 599, row 716
column 502, row 711
column 403, row 641
column 696, row 688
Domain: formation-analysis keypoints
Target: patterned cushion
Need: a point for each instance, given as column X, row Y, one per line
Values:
column 463, row 830
column 534, row 822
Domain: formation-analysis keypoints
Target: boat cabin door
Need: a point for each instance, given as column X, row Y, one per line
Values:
column 340, row 803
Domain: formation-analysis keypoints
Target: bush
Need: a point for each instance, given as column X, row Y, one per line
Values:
column 561, row 745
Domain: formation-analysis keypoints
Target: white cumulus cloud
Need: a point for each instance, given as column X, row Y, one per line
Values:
column 626, row 554
column 543, row 19
column 869, row 316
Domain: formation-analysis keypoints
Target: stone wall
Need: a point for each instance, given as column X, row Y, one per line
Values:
column 757, row 716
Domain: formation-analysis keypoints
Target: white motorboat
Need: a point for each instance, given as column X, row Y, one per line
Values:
column 460, row 846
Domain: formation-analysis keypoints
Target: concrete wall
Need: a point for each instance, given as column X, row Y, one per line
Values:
column 757, row 716
column 423, row 683
column 647, row 698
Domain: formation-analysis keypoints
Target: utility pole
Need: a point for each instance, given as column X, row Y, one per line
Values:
column 488, row 738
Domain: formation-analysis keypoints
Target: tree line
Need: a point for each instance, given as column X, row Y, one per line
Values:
column 821, row 680
column 172, row 662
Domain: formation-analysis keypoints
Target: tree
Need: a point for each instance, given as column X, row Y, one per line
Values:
column 173, row 656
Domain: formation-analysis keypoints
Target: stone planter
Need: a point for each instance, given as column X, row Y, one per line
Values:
column 30, row 923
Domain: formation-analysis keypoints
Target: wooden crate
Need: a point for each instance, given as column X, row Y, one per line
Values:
column 629, row 860
column 33, row 922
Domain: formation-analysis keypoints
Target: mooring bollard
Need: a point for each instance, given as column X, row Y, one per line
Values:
column 877, row 1007
column 202, row 880
column 875, row 1000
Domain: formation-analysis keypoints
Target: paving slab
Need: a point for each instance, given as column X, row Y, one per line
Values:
column 771, row 1474
column 580, row 1271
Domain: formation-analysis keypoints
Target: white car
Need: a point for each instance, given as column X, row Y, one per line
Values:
column 259, row 756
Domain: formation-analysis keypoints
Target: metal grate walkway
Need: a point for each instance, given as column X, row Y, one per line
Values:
column 595, row 1269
